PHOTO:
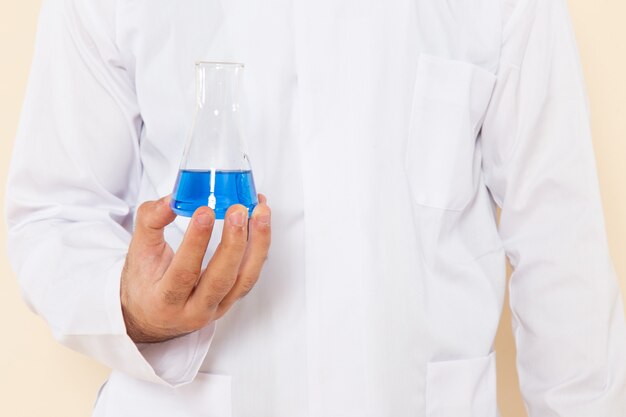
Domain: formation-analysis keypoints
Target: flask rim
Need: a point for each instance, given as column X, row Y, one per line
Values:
column 219, row 64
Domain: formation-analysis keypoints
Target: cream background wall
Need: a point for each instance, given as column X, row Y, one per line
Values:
column 40, row 378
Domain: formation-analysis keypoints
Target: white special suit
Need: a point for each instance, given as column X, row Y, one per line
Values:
column 384, row 134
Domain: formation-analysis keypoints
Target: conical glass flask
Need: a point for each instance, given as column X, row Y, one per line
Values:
column 215, row 170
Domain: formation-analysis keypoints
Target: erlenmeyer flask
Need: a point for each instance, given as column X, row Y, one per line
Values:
column 215, row 170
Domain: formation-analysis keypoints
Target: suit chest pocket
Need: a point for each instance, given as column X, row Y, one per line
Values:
column 449, row 103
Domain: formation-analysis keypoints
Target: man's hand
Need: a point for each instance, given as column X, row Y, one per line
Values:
column 165, row 294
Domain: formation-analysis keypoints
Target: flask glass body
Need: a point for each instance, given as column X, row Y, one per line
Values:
column 215, row 170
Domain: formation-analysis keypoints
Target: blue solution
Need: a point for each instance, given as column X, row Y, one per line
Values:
column 193, row 189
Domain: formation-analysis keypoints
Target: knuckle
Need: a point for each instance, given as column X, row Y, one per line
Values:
column 221, row 287
column 143, row 209
column 172, row 297
column 263, row 231
column 217, row 290
column 212, row 299
column 186, row 277
column 198, row 320
column 246, row 286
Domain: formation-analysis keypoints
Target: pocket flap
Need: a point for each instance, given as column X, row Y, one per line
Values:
column 455, row 82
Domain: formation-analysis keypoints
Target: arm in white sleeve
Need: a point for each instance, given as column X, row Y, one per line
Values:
column 538, row 162
column 72, row 190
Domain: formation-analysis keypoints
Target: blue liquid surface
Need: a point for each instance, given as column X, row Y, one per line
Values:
column 193, row 189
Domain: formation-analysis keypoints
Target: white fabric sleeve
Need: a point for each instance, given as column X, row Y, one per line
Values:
column 72, row 190
column 538, row 162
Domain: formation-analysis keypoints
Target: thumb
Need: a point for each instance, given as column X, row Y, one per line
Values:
column 152, row 217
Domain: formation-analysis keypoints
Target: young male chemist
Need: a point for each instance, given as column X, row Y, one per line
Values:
column 384, row 134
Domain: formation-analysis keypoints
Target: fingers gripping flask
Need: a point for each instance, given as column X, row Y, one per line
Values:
column 215, row 170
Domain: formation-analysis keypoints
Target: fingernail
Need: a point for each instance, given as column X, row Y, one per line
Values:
column 263, row 219
column 204, row 219
column 237, row 218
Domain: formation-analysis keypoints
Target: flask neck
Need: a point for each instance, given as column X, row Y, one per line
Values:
column 217, row 88
column 215, row 141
